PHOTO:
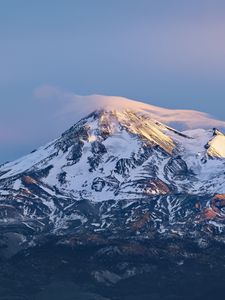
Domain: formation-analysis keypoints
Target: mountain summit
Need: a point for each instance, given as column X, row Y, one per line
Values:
column 116, row 170
column 181, row 119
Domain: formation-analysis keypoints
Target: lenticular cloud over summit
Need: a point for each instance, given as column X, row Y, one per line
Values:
column 182, row 119
column 75, row 106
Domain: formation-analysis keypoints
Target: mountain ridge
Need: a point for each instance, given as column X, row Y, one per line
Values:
column 116, row 171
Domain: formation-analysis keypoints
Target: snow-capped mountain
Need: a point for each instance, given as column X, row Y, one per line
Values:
column 117, row 171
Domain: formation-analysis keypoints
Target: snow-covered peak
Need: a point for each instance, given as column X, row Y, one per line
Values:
column 121, row 153
column 138, row 123
column 119, row 126
column 216, row 146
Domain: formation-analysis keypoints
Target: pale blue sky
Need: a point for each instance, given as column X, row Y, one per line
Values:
column 167, row 53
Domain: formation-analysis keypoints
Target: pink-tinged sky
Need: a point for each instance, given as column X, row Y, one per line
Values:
column 167, row 53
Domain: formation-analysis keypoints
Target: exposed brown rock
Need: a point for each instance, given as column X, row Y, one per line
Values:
column 218, row 201
column 209, row 213
column 145, row 218
column 29, row 180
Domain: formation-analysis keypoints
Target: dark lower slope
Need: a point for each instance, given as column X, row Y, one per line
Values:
column 171, row 269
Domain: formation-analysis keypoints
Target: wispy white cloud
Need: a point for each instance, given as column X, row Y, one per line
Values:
column 47, row 92
column 72, row 107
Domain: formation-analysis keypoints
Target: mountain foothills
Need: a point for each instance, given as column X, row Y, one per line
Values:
column 118, row 180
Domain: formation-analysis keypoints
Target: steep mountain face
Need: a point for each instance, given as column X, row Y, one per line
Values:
column 116, row 173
